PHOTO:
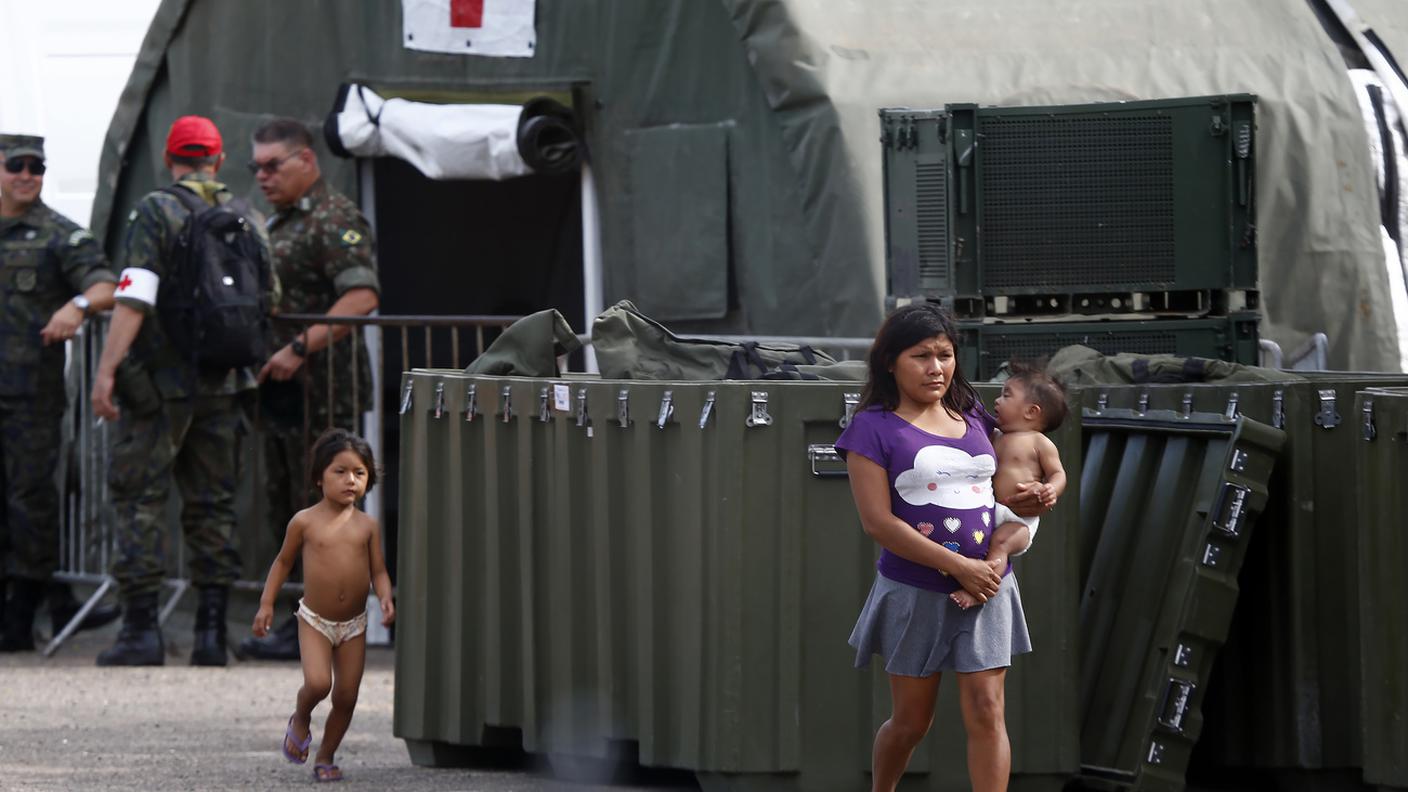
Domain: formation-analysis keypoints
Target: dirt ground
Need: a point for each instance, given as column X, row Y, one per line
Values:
column 67, row 724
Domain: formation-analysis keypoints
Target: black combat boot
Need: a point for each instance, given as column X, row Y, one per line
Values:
column 209, row 647
column 139, row 643
column 17, row 634
column 63, row 606
column 280, row 644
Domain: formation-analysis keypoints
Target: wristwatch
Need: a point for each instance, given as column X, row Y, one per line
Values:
column 83, row 303
column 299, row 348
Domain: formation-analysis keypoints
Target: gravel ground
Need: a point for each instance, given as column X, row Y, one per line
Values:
column 67, row 724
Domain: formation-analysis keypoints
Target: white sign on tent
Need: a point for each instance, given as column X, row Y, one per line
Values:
column 499, row 28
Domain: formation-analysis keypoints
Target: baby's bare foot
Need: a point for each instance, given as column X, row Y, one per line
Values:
column 963, row 599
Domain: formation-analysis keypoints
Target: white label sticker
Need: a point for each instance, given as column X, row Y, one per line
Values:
column 562, row 398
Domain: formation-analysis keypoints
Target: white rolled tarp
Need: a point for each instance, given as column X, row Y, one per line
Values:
column 443, row 141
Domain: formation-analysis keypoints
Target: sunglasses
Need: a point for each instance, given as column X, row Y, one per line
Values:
column 36, row 168
column 272, row 166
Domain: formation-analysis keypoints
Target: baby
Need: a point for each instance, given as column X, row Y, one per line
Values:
column 1032, row 402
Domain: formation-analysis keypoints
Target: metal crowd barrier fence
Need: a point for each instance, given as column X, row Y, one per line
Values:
column 87, row 537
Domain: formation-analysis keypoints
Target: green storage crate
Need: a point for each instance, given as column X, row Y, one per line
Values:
column 668, row 572
column 1381, row 466
column 1068, row 209
column 1168, row 503
column 984, row 347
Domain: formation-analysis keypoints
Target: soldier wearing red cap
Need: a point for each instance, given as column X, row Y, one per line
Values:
column 175, row 419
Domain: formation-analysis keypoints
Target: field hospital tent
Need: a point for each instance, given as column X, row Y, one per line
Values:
column 733, row 169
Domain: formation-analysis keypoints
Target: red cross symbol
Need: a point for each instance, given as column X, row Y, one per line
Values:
column 466, row 13
column 124, row 283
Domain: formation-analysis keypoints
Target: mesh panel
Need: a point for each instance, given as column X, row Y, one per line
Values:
column 999, row 348
column 1077, row 201
column 931, row 208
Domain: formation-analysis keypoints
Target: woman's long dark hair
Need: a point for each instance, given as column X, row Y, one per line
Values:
column 902, row 329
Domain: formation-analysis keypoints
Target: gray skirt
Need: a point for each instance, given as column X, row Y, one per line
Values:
column 920, row 632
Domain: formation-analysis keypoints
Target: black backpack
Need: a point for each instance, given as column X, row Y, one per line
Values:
column 214, row 300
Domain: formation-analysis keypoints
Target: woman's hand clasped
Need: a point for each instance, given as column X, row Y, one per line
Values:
column 978, row 579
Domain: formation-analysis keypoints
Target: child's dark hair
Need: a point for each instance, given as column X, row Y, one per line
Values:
column 902, row 329
column 335, row 441
column 1043, row 390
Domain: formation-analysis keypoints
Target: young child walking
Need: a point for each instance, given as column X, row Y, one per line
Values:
column 921, row 463
column 341, row 552
column 1031, row 402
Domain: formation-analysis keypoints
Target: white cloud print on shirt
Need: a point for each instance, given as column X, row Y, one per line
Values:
column 947, row 477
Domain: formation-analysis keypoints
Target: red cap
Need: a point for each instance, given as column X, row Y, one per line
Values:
column 193, row 136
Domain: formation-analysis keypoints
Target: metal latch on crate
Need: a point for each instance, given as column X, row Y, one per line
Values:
column 406, row 398
column 1230, row 510
column 506, row 397
column 1143, row 405
column 1101, row 402
column 544, row 413
column 1278, row 409
column 1178, row 700
column 1328, row 417
column 826, row 463
column 1231, row 412
column 582, row 418
column 758, row 416
column 439, row 399
column 849, row 401
column 623, row 408
column 1187, row 403
column 1370, row 431
column 708, row 408
column 667, row 409
column 471, row 403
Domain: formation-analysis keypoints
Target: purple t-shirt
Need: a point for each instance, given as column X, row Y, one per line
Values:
column 939, row 486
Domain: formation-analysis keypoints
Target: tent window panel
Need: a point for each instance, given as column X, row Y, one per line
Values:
column 679, row 201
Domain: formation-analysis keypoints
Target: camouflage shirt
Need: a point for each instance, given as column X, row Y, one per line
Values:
column 152, row 228
column 45, row 259
column 323, row 248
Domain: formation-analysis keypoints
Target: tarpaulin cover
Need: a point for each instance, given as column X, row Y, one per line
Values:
column 794, row 86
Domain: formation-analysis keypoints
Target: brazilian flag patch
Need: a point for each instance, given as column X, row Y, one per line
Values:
column 350, row 237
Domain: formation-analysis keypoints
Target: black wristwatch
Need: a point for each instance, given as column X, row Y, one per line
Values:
column 299, row 348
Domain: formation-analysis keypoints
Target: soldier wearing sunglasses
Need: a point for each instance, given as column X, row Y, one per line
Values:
column 53, row 275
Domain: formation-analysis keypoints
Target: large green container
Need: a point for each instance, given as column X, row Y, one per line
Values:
column 1168, row 503
column 1286, row 695
column 984, row 347
column 1114, row 207
column 1381, row 465
column 668, row 572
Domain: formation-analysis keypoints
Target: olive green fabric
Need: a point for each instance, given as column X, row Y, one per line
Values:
column 1080, row 365
column 795, row 85
column 529, row 347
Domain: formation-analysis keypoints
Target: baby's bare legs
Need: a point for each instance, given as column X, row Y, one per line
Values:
column 348, row 661
column 316, row 654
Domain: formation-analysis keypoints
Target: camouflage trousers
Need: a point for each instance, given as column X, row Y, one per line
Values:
column 194, row 442
column 29, row 454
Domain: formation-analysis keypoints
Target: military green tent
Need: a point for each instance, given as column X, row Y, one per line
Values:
column 734, row 162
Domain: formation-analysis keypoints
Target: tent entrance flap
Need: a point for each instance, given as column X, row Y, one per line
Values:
column 455, row 141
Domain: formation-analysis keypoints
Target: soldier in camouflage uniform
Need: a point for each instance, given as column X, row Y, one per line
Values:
column 326, row 263
column 176, row 420
column 52, row 276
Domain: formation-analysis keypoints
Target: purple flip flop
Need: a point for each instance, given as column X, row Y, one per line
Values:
column 289, row 739
column 326, row 772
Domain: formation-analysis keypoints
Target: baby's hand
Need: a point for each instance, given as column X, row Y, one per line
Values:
column 963, row 599
column 388, row 612
column 263, row 620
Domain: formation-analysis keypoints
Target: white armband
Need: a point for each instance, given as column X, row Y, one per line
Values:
column 138, row 284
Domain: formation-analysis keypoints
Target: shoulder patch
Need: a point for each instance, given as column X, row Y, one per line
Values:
column 79, row 237
column 350, row 237
column 132, row 215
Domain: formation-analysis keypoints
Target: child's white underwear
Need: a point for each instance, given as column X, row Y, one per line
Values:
column 1001, row 514
column 336, row 632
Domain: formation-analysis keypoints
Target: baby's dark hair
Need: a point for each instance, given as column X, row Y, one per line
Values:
column 335, row 441
column 1043, row 390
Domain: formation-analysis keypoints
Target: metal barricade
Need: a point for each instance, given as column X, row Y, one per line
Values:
column 87, row 533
